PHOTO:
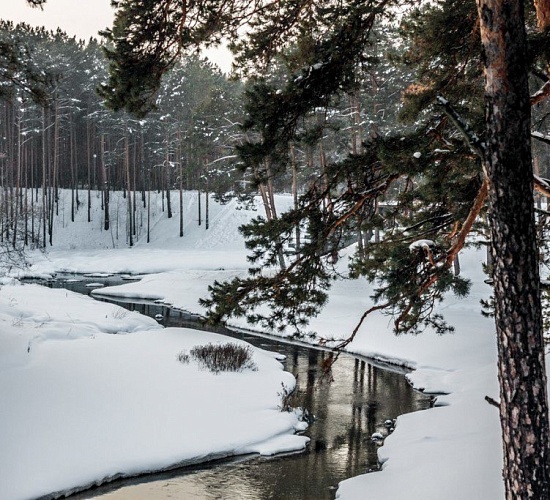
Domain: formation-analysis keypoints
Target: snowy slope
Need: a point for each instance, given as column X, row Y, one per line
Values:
column 81, row 405
column 451, row 452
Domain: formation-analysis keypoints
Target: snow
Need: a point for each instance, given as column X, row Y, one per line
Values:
column 81, row 405
column 452, row 451
column 424, row 244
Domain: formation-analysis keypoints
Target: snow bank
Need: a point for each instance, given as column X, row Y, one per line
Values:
column 451, row 452
column 80, row 405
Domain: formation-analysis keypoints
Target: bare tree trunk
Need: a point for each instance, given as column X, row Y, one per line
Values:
column 267, row 207
column 89, row 162
column 18, row 178
column 206, row 208
column 273, row 209
column 167, row 177
column 521, row 364
column 53, row 179
column 149, row 210
column 44, row 187
column 358, row 125
column 134, row 193
column 180, row 159
column 129, row 188
column 72, row 153
column 295, row 192
column 105, row 185
column 26, row 201
column 199, row 205
column 353, row 128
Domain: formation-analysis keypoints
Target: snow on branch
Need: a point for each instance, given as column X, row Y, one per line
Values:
column 539, row 136
column 424, row 244
column 540, row 94
column 473, row 141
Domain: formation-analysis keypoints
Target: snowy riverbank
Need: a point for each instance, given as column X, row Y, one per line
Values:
column 80, row 406
column 452, row 451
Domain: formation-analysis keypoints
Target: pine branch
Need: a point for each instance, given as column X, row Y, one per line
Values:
column 347, row 341
column 460, row 238
column 451, row 253
column 473, row 141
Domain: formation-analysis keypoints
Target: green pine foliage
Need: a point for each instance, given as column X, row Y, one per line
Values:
column 19, row 69
column 323, row 93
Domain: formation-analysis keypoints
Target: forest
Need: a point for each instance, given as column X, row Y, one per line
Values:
column 410, row 144
column 60, row 134
column 67, row 138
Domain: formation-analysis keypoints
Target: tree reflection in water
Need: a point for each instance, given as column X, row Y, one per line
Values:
column 350, row 402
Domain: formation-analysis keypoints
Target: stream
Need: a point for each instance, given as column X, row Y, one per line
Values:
column 357, row 400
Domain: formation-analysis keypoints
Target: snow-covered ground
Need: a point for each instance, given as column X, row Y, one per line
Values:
column 450, row 452
column 80, row 405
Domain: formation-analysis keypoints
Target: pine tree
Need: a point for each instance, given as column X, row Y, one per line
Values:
column 436, row 176
column 522, row 373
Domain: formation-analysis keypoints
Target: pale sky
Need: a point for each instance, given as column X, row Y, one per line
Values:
column 82, row 18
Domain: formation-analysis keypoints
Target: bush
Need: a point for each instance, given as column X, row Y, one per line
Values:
column 183, row 357
column 224, row 357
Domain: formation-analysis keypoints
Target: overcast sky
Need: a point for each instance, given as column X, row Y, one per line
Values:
column 83, row 18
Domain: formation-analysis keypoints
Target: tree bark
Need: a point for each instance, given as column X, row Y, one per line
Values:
column 521, row 363
column 104, row 185
column 543, row 13
column 295, row 192
column 129, row 188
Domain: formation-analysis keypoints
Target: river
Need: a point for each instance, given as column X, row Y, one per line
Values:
column 353, row 402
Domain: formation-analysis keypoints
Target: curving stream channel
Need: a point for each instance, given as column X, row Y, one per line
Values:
column 357, row 401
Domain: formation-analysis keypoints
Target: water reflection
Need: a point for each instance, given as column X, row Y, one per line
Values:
column 349, row 406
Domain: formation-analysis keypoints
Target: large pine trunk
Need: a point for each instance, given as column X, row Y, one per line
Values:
column 521, row 364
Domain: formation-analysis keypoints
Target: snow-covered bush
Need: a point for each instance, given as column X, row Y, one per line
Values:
column 228, row 357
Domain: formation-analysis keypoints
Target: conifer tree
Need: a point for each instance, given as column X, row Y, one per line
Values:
column 438, row 176
column 507, row 159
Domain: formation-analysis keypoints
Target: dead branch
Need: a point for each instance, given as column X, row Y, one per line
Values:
column 473, row 141
column 491, row 401
column 540, row 94
column 356, row 329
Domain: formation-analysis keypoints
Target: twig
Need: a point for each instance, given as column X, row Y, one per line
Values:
column 492, row 402
column 356, row 329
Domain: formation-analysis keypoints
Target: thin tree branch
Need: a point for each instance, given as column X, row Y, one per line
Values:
column 356, row 329
column 540, row 94
column 473, row 141
column 492, row 402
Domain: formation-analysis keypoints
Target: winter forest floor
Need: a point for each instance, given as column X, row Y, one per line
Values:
column 73, row 395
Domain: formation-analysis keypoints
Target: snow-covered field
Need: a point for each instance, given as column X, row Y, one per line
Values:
column 79, row 395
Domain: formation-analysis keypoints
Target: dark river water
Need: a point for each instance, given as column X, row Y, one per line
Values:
column 354, row 401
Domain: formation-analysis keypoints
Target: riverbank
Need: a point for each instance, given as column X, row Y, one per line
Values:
column 81, row 406
column 430, row 452
column 452, row 451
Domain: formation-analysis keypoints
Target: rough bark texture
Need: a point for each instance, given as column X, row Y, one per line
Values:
column 522, row 375
column 543, row 13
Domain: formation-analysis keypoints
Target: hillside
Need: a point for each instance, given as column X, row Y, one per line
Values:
column 80, row 246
